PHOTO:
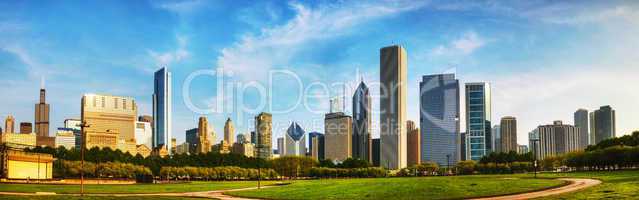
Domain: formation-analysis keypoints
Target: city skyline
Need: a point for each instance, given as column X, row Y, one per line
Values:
column 464, row 47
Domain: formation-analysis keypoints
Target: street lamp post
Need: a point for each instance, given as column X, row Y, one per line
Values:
column 447, row 163
column 83, row 125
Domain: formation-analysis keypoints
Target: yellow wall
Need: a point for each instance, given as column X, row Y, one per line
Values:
column 24, row 170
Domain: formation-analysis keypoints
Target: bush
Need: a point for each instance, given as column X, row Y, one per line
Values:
column 216, row 173
column 369, row 172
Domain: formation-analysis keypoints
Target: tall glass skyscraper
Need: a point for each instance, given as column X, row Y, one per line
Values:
column 392, row 106
column 439, row 117
column 362, row 146
column 162, row 108
column 478, row 120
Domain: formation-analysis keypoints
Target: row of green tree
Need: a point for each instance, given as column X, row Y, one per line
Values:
column 509, row 157
column 73, row 169
column 154, row 163
column 422, row 169
column 215, row 173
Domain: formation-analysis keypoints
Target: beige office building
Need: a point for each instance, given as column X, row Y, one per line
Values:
column 229, row 132
column 393, row 77
column 110, row 121
column 414, row 144
column 338, row 135
column 65, row 138
column 9, row 124
column 264, row 133
column 245, row 149
column 204, row 143
column 508, row 133
column 19, row 140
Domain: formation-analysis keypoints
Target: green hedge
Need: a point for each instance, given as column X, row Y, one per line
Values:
column 216, row 173
column 370, row 172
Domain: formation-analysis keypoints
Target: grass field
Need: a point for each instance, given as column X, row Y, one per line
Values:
column 65, row 197
column 616, row 185
column 402, row 188
column 136, row 188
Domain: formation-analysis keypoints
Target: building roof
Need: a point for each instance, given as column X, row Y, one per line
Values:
column 295, row 131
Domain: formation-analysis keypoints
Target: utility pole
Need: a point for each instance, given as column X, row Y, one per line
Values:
column 83, row 125
column 259, row 172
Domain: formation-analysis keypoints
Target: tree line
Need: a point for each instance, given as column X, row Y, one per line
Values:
column 215, row 173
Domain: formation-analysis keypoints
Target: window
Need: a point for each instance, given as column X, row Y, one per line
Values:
column 124, row 104
column 115, row 103
column 103, row 101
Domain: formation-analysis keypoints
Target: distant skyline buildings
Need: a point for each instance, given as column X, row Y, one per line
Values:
column 393, row 66
column 203, row 142
column 111, row 121
column 295, row 141
column 26, row 128
column 508, row 134
column 264, row 133
column 362, row 123
column 316, row 145
column 554, row 139
column 604, row 123
column 478, row 120
column 413, row 137
column 9, row 124
column 162, row 104
column 41, row 118
column 439, row 118
column 581, row 121
column 338, row 136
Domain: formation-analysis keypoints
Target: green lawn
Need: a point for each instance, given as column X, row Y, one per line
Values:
column 136, row 188
column 65, row 197
column 616, row 185
column 402, row 188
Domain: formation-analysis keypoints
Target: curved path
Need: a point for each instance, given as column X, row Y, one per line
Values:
column 575, row 184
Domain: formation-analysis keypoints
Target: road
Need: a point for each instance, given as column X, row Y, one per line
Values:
column 575, row 184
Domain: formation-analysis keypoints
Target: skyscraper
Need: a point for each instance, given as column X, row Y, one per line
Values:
column 295, row 141
column 439, row 118
column 413, row 152
column 338, row 129
column 162, row 108
column 229, row 132
column 192, row 139
column 42, row 115
column 316, row 145
column 508, row 130
column 26, row 128
column 555, row 139
column 393, row 77
column 478, row 120
column 362, row 123
column 111, row 121
column 581, row 122
column 281, row 146
column 604, row 123
column 376, row 152
column 203, row 141
column 9, row 124
column 263, row 131
column 497, row 138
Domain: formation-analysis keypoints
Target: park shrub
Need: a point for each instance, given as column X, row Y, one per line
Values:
column 64, row 169
column 369, row 172
column 215, row 173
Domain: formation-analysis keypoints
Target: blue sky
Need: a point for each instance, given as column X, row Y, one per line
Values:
column 544, row 59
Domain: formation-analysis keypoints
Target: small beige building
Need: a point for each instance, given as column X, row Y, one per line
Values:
column 338, row 129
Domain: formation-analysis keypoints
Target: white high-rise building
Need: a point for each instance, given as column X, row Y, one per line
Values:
column 143, row 133
column 295, row 141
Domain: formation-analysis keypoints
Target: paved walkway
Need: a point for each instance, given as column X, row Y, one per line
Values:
column 575, row 184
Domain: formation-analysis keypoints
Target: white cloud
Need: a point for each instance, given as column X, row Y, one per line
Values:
column 253, row 55
column 464, row 45
column 543, row 95
column 173, row 56
column 184, row 7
